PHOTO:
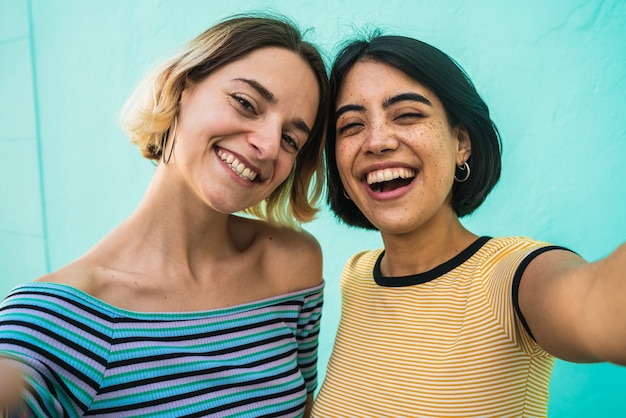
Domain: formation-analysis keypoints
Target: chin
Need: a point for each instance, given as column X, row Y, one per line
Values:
column 390, row 226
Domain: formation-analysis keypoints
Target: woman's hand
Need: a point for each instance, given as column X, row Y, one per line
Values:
column 11, row 385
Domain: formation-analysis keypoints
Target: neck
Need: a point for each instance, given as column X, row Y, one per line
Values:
column 171, row 229
column 424, row 249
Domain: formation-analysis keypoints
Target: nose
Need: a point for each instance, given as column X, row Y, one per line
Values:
column 265, row 140
column 380, row 138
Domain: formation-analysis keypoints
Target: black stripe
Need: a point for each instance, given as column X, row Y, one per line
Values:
column 63, row 318
column 229, row 350
column 284, row 412
column 312, row 308
column 47, row 295
column 206, row 371
column 60, row 339
column 246, row 402
column 310, row 364
column 517, row 279
column 35, row 396
column 196, row 336
column 66, row 390
column 309, row 350
column 206, row 391
column 53, row 359
column 308, row 336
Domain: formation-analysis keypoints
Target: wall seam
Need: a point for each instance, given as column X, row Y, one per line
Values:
column 42, row 194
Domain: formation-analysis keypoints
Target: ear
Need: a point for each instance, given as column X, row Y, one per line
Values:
column 188, row 83
column 187, row 88
column 464, row 144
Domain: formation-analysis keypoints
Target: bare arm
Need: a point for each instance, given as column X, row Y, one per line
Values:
column 577, row 310
column 309, row 405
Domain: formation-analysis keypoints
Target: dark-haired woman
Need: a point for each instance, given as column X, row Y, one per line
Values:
column 443, row 322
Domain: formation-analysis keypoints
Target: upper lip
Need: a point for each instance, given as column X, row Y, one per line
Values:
column 249, row 170
column 388, row 165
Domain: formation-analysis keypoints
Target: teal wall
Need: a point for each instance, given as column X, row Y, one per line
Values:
column 553, row 72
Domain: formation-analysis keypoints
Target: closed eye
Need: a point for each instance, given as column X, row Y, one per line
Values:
column 348, row 128
column 409, row 115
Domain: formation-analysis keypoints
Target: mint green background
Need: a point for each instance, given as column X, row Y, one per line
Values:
column 553, row 73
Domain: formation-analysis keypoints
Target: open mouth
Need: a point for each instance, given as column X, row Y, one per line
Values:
column 237, row 166
column 390, row 179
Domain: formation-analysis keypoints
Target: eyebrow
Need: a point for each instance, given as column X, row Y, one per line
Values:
column 301, row 125
column 348, row 108
column 415, row 97
column 267, row 95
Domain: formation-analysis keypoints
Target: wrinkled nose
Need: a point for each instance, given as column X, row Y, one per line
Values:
column 380, row 138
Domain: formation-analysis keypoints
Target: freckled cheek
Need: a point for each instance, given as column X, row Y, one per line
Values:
column 344, row 155
column 439, row 155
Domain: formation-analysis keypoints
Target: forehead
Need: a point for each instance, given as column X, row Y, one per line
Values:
column 265, row 56
column 375, row 81
column 271, row 63
column 285, row 74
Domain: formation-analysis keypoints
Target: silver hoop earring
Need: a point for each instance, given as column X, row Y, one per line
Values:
column 345, row 194
column 164, row 142
column 465, row 167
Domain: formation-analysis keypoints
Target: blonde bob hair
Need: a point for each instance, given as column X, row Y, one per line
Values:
column 149, row 113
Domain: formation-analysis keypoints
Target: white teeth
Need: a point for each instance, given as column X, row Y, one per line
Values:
column 389, row 174
column 237, row 166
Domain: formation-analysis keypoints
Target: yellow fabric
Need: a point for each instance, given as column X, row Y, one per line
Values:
column 452, row 346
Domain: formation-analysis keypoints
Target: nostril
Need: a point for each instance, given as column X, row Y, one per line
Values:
column 265, row 142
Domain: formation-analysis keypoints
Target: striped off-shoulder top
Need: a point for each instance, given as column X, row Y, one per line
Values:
column 83, row 357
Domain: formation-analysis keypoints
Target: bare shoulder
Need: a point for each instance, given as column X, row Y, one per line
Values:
column 549, row 272
column 80, row 274
column 290, row 240
column 552, row 287
column 294, row 256
column 550, row 263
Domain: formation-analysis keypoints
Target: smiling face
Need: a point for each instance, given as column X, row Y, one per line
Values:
column 240, row 129
column 396, row 152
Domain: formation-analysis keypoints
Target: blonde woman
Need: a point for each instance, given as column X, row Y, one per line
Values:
column 186, row 309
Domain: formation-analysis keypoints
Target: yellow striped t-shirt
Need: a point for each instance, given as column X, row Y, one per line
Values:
column 450, row 345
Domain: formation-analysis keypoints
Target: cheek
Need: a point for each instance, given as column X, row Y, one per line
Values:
column 344, row 155
column 445, row 158
column 284, row 167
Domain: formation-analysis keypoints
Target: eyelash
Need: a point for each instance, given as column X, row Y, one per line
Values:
column 410, row 115
column 245, row 103
column 291, row 142
column 346, row 127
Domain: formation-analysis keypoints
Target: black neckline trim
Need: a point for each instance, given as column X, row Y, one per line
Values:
column 427, row 276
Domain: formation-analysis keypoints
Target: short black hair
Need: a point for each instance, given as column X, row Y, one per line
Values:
column 463, row 105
